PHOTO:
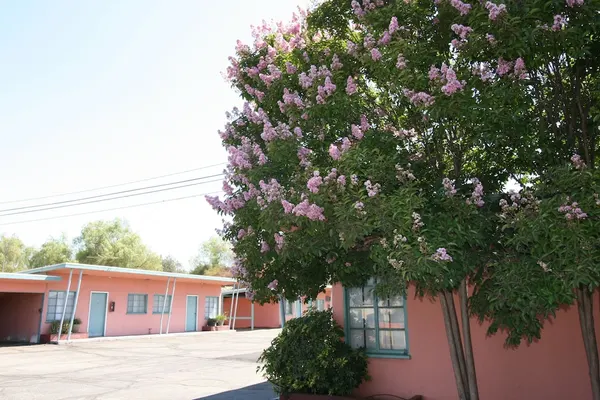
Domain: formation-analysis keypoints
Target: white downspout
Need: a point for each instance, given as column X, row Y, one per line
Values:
column 75, row 305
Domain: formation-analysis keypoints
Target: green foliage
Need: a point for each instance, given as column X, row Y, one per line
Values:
column 213, row 258
column 114, row 244
column 65, row 326
column 53, row 251
column 14, row 255
column 220, row 319
column 309, row 356
column 170, row 264
column 211, row 322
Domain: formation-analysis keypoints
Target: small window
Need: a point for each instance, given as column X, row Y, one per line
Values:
column 56, row 305
column 377, row 324
column 158, row 302
column 289, row 307
column 211, row 307
column 137, row 303
column 320, row 304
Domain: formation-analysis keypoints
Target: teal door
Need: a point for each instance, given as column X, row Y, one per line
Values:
column 191, row 314
column 97, row 314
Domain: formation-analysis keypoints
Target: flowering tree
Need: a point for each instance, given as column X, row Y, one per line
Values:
column 369, row 133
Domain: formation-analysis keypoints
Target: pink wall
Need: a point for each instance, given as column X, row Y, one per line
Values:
column 554, row 368
column 20, row 314
column 265, row 316
column 15, row 285
column 120, row 323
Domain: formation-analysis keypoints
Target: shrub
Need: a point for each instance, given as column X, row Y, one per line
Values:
column 211, row 322
column 65, row 326
column 309, row 356
column 220, row 319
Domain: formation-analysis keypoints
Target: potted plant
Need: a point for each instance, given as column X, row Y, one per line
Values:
column 76, row 324
column 310, row 360
column 220, row 319
column 211, row 322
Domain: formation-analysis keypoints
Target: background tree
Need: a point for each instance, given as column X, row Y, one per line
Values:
column 53, row 251
column 114, row 244
column 214, row 258
column 170, row 264
column 14, row 255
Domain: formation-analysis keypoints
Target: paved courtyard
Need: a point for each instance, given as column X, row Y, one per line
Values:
column 207, row 366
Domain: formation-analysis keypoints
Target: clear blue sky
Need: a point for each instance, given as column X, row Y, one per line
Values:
column 95, row 93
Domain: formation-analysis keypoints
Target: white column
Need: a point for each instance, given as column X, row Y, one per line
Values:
column 236, row 298
column 62, row 318
column 252, row 316
column 282, row 311
column 171, row 304
column 75, row 304
column 162, row 314
column 220, row 307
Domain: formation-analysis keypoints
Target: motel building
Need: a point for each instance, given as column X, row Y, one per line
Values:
column 106, row 301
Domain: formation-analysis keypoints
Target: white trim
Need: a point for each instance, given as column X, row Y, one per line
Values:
column 90, row 312
column 186, row 311
column 104, row 268
column 27, row 277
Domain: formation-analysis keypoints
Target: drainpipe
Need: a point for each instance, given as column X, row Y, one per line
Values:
column 162, row 314
column 75, row 305
column 62, row 318
column 171, row 304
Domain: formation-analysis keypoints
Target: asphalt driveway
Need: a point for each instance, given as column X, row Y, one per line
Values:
column 205, row 366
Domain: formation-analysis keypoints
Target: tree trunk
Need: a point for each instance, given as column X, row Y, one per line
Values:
column 588, row 331
column 457, row 337
column 455, row 354
column 468, row 345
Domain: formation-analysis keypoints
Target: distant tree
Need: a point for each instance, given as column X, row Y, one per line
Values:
column 170, row 264
column 113, row 243
column 14, row 255
column 54, row 251
column 214, row 256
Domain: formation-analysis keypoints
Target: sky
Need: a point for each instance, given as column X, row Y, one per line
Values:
column 100, row 93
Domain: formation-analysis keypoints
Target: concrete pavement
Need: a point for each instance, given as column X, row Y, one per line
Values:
column 207, row 366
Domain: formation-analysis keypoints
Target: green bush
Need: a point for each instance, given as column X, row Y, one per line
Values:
column 211, row 322
column 309, row 356
column 220, row 319
column 65, row 327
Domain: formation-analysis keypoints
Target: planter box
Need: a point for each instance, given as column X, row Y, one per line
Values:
column 216, row 328
column 52, row 338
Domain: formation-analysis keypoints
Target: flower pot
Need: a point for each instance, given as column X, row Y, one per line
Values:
column 220, row 323
column 75, row 328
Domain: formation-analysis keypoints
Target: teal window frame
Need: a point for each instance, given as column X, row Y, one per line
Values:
column 129, row 295
column 378, row 352
column 159, row 299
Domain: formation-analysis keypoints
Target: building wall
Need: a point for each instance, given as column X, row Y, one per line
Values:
column 555, row 368
column 265, row 316
column 120, row 323
column 18, row 286
column 20, row 314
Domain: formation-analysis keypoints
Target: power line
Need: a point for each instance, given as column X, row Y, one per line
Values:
column 110, row 186
column 112, row 198
column 110, row 194
column 111, row 209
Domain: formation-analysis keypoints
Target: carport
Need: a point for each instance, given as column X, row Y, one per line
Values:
column 21, row 305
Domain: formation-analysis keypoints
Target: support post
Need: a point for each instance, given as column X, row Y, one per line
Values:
column 62, row 318
column 171, row 304
column 162, row 314
column 75, row 304
column 237, row 301
column 252, row 316
column 220, row 307
column 282, row 311
column 231, row 308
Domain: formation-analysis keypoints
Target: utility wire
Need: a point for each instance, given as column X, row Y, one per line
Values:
column 111, row 209
column 112, row 198
column 110, row 186
column 110, row 194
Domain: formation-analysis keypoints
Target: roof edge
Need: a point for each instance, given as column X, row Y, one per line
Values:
column 28, row 277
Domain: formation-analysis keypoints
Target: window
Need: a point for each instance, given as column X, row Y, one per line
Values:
column 137, row 303
column 158, row 302
column 56, row 305
column 211, row 307
column 320, row 304
column 376, row 324
column 289, row 307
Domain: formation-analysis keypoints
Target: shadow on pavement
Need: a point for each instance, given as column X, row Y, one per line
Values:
column 261, row 391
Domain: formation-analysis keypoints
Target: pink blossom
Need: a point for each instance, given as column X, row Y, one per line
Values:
column 375, row 54
column 350, row 86
column 419, row 98
column 331, row 175
column 434, row 73
column 401, row 62
column 271, row 190
column 241, row 233
column 264, row 247
column 573, row 3
column 461, row 30
column 572, row 211
column 341, row 180
column 463, row 8
column 372, row 190
column 357, row 132
column 359, row 205
column 357, row 9
column 490, row 38
column 449, row 188
column 578, row 162
column 477, row 194
column 273, row 285
column 364, row 123
column 352, row 48
column 279, row 241
column 385, row 38
column 311, row 211
column 441, row 255
column 314, row 182
column 520, row 71
column 504, row 67
column 354, row 179
column 287, row 206
column 290, row 68
column 393, row 25
column 495, row 10
column 335, row 152
column 303, row 154
column 369, row 41
column 335, row 62
column 346, row 144
column 560, row 21
column 298, row 132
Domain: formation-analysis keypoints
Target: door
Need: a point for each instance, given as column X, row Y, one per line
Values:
column 97, row 324
column 191, row 314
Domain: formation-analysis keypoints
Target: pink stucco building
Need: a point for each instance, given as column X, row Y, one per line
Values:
column 109, row 301
column 409, row 355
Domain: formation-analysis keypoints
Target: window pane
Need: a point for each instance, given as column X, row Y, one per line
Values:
column 397, row 301
column 359, row 297
column 392, row 340
column 320, row 305
column 362, row 318
column 391, row 318
column 363, row 338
